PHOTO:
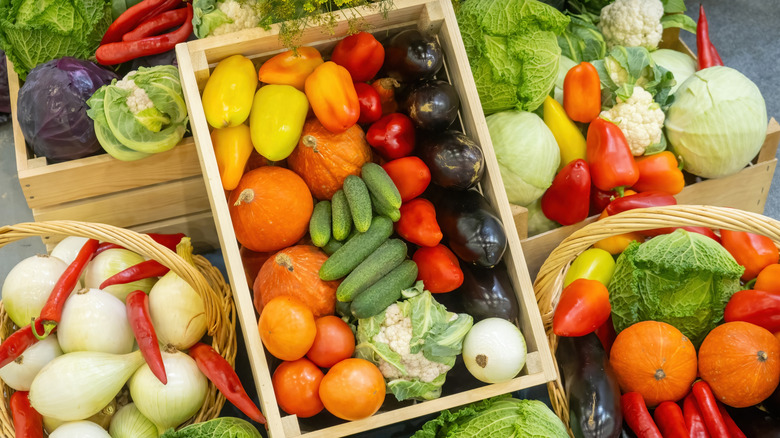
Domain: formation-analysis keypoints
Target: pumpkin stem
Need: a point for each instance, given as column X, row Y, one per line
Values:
column 310, row 141
column 762, row 356
column 246, row 196
column 284, row 261
column 660, row 374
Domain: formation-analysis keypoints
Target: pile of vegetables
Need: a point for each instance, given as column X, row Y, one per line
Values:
column 73, row 363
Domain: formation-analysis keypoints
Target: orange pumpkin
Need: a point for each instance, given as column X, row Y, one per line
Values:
column 270, row 209
column 654, row 359
column 741, row 362
column 294, row 271
column 324, row 159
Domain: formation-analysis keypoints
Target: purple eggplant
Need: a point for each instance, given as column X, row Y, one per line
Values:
column 432, row 105
column 488, row 293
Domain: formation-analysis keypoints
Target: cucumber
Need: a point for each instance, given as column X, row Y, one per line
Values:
column 383, row 209
column 346, row 258
column 343, row 309
column 319, row 225
column 342, row 217
column 384, row 292
column 381, row 185
column 389, row 255
column 332, row 246
column 359, row 202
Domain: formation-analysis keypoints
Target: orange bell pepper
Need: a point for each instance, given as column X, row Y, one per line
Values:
column 659, row 172
column 290, row 67
column 582, row 93
column 232, row 148
column 332, row 97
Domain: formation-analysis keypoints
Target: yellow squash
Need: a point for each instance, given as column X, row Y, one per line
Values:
column 227, row 97
column 570, row 140
column 276, row 122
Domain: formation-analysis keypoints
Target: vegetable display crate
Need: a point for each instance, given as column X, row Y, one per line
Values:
column 745, row 190
column 197, row 58
column 164, row 193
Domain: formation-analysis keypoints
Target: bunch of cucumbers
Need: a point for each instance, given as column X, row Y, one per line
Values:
column 354, row 228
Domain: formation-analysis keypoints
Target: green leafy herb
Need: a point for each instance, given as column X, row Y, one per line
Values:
column 224, row 427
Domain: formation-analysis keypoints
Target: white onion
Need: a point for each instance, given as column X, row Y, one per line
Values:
column 113, row 261
column 78, row 385
column 129, row 422
column 494, row 350
column 178, row 312
column 28, row 286
column 68, row 248
column 102, row 418
column 94, row 320
column 19, row 374
column 80, row 429
column 172, row 404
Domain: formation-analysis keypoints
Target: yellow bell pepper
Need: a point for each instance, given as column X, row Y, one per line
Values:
column 227, row 97
column 276, row 121
column 232, row 148
column 570, row 140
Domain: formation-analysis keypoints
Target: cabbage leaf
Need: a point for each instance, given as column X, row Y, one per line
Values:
column 625, row 67
column 224, row 427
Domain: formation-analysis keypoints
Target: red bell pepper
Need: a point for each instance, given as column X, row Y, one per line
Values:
column 418, row 223
column 637, row 416
column 694, row 421
column 141, row 323
column 567, row 200
column 28, row 423
column 582, row 308
column 734, row 430
column 156, row 24
column 757, row 307
column 582, row 93
column 370, row 104
column 769, row 279
column 438, row 268
column 611, row 164
column 706, row 52
column 392, row 136
column 708, row 407
column 599, row 199
column 753, row 251
column 140, row 271
column 640, row 200
column 410, row 175
column 386, row 89
column 659, row 172
column 670, row 421
column 361, row 54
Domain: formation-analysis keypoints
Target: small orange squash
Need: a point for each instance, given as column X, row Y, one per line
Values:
column 741, row 362
column 294, row 271
column 270, row 209
column 324, row 159
column 654, row 359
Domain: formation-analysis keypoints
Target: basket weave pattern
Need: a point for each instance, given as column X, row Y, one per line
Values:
column 206, row 280
column 549, row 283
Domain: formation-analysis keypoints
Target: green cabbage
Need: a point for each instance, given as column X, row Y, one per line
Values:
column 717, row 122
column 513, row 51
column 680, row 64
column 684, row 279
column 500, row 416
column 224, row 427
column 528, row 155
column 582, row 40
column 538, row 223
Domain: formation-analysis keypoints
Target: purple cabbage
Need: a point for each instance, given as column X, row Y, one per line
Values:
column 52, row 108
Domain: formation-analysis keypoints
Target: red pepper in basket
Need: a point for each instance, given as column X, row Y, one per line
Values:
column 167, row 240
column 28, row 423
column 134, row 15
column 706, row 53
column 670, row 421
column 418, row 223
column 370, row 104
column 757, row 307
column 147, row 269
column 640, row 200
column 611, row 164
column 708, row 407
column 693, row 418
column 222, row 375
column 659, row 172
column 156, row 24
column 753, row 251
column 438, row 268
column 361, row 54
column 582, row 93
column 637, row 416
column 138, row 316
column 20, row 340
column 392, row 136
column 567, row 200
column 734, row 430
column 583, row 307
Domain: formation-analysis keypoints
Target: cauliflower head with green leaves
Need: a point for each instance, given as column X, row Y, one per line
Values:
column 632, row 23
column 640, row 118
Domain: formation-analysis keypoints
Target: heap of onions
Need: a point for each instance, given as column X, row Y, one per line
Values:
column 129, row 422
column 110, row 262
column 20, row 373
column 28, row 285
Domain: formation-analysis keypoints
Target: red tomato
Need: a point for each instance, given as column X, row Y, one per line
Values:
column 361, row 54
column 753, row 251
column 410, row 175
column 370, row 104
column 297, row 386
column 333, row 343
column 438, row 268
column 353, row 389
column 583, row 307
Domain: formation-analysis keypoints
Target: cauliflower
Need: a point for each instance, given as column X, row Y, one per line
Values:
column 632, row 23
column 138, row 100
column 242, row 16
column 640, row 118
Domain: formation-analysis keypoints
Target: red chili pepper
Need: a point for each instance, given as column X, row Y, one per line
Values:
column 135, row 15
column 410, row 175
column 119, row 52
column 156, row 24
column 392, row 136
column 640, row 200
column 438, row 268
column 757, row 307
column 611, row 164
column 693, row 419
column 140, row 320
column 567, row 200
column 361, row 54
column 668, row 230
column 370, row 104
column 769, row 279
column 418, row 223
column 19, row 341
column 147, row 269
column 637, row 416
column 753, row 251
column 52, row 310
column 583, row 307
column 705, row 400
column 659, row 172
column 670, row 421
column 28, row 423
column 224, row 377
column 734, row 430
column 582, row 93
column 167, row 240
column 705, row 51
column 386, row 89
column 606, row 333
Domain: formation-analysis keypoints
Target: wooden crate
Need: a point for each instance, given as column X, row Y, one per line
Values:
column 197, row 58
column 745, row 190
column 164, row 192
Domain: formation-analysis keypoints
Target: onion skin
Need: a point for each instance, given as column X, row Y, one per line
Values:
column 94, row 320
column 494, row 350
column 68, row 248
column 81, row 429
column 113, row 261
column 20, row 373
column 28, row 285
column 129, row 422
column 178, row 312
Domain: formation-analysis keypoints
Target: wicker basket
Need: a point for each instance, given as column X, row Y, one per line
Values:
column 206, row 280
column 549, row 283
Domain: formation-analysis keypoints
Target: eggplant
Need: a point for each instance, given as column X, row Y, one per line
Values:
column 455, row 161
column 772, row 404
column 471, row 226
column 755, row 423
column 488, row 293
column 411, row 55
column 432, row 105
column 591, row 387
